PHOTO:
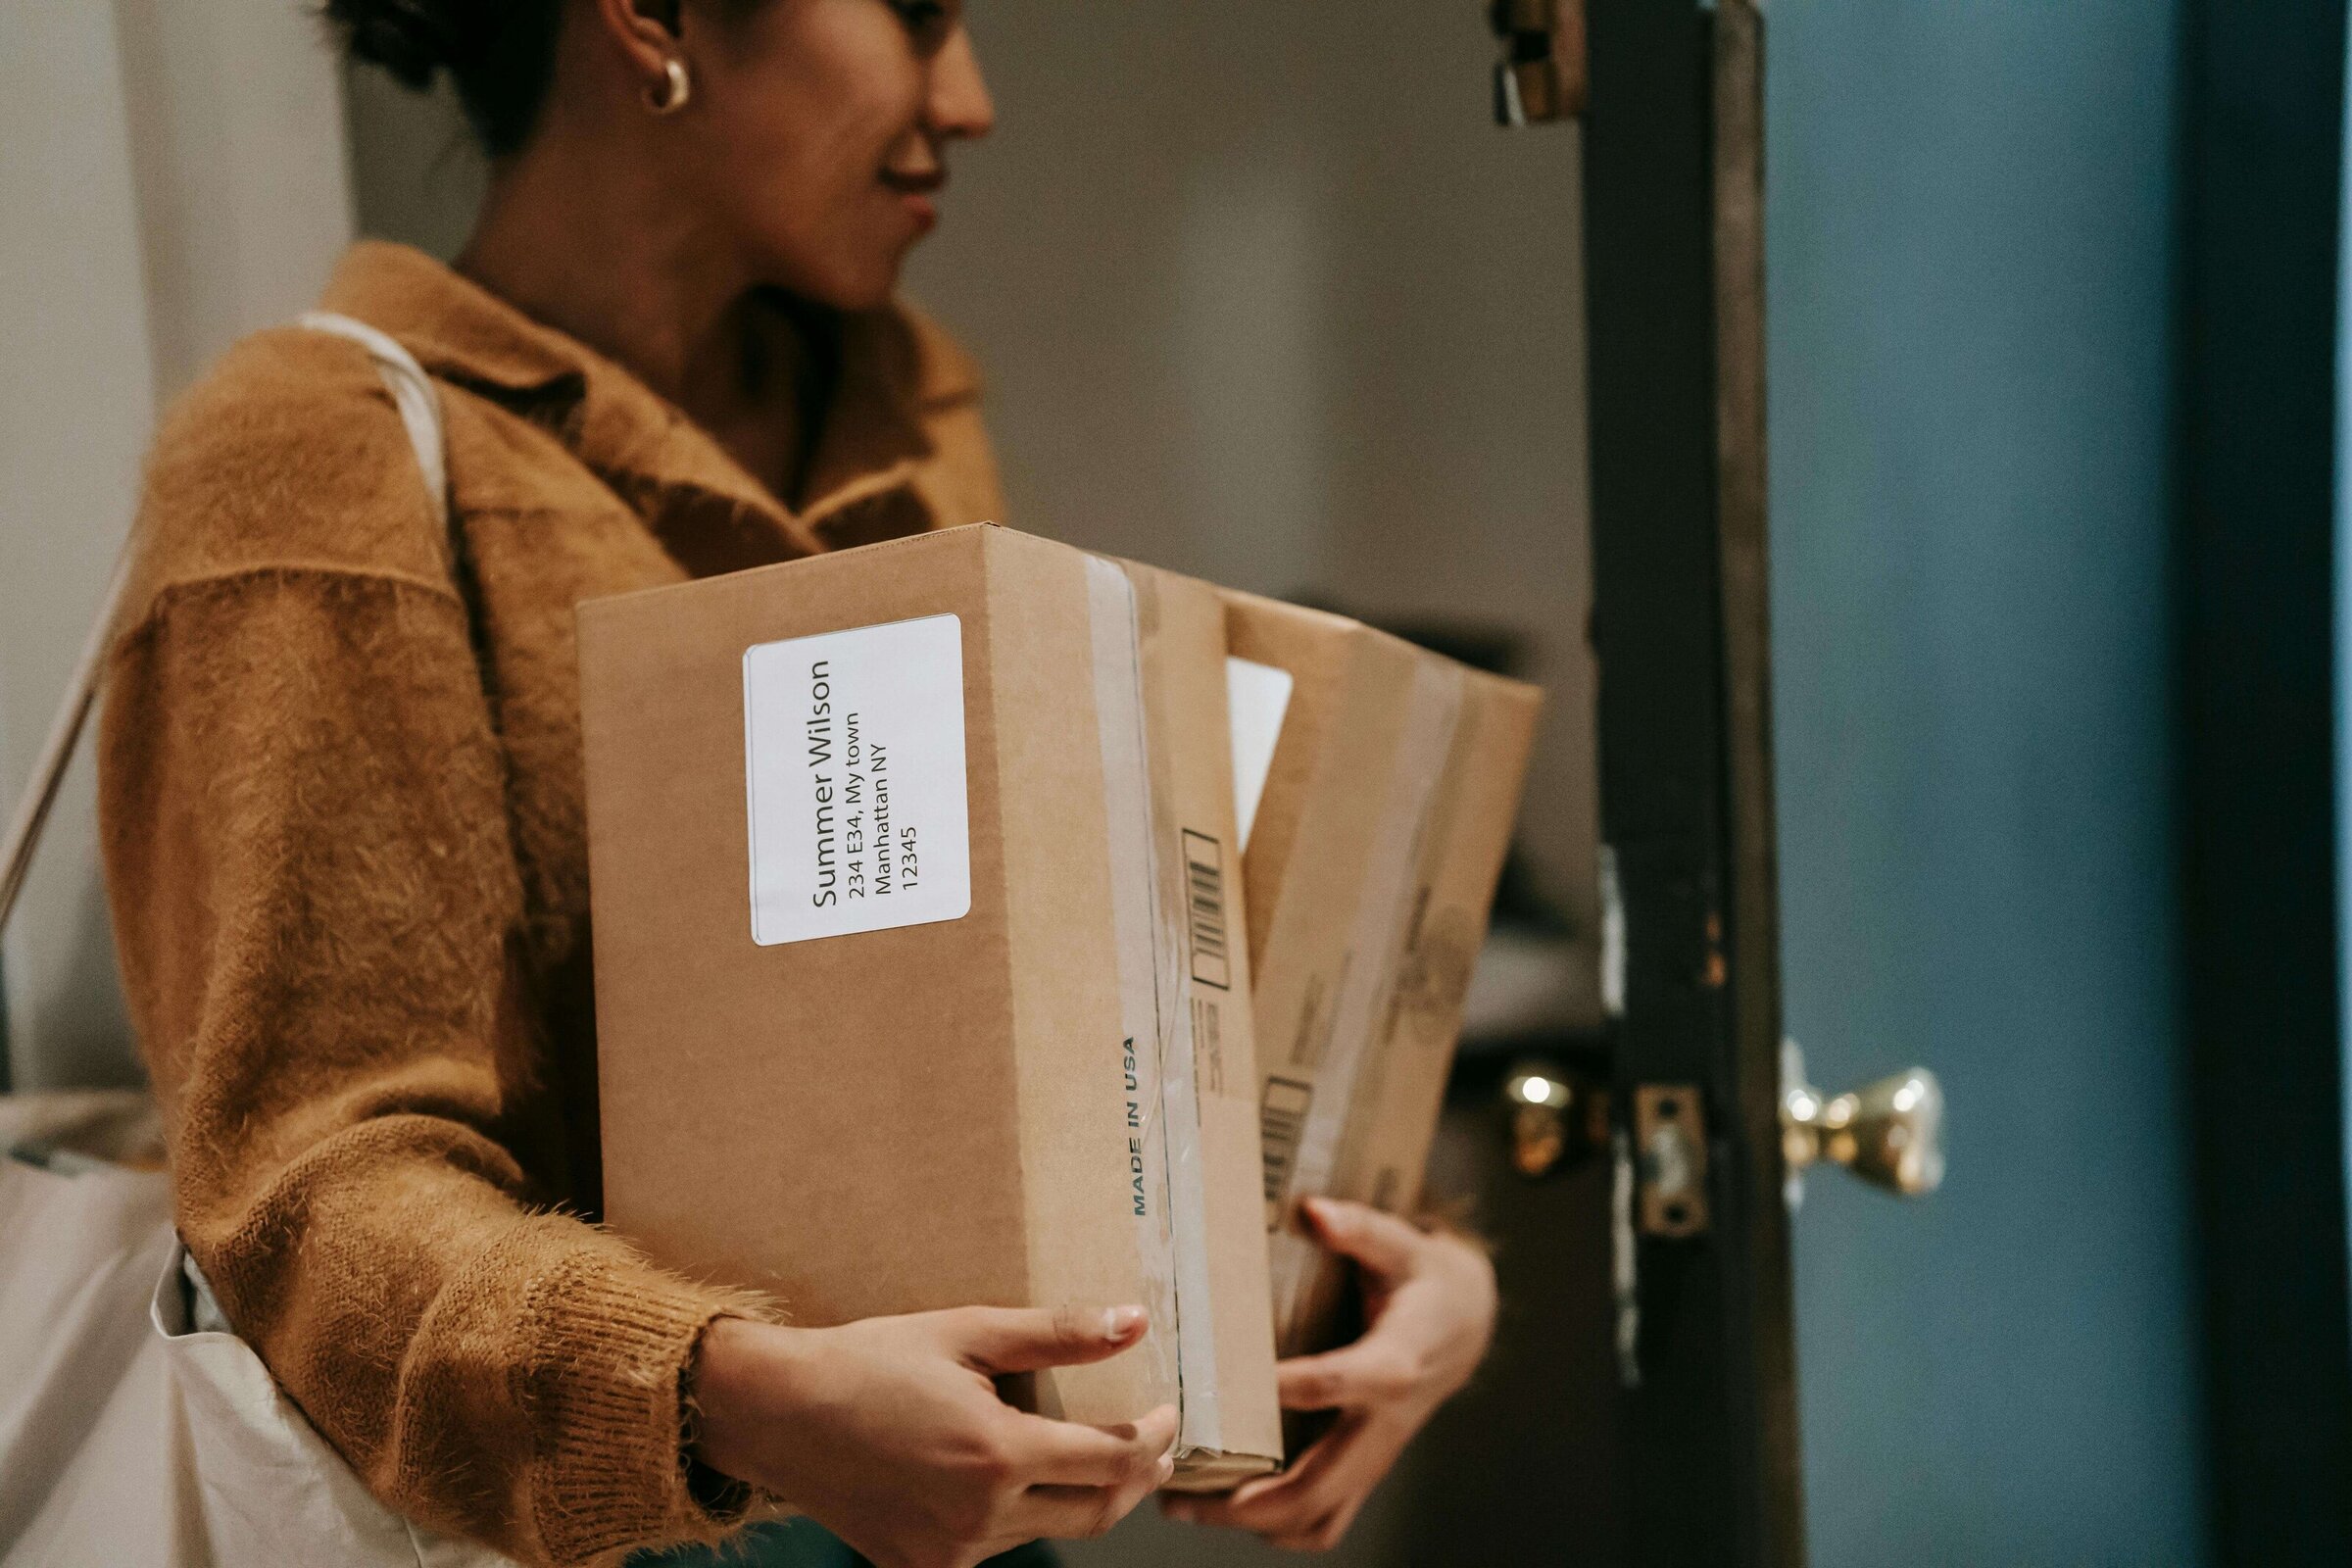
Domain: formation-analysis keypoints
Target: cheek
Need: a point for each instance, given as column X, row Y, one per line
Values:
column 819, row 218
column 784, row 158
column 820, row 94
column 798, row 168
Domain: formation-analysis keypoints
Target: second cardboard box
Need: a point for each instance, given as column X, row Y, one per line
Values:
column 1379, row 832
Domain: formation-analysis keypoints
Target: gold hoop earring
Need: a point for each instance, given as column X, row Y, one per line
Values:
column 675, row 91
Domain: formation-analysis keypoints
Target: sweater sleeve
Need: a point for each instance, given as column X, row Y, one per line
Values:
column 317, row 911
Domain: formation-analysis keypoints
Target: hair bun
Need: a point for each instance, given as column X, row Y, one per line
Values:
column 409, row 38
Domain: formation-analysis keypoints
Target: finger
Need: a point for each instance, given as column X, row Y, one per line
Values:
column 1371, row 1371
column 1078, row 1513
column 1324, row 1534
column 1284, row 1508
column 1381, row 1242
column 1071, row 1513
column 1276, row 1503
column 1318, row 1498
column 1067, row 1453
column 998, row 1340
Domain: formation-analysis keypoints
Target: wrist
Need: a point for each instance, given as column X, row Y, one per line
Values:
column 740, row 1383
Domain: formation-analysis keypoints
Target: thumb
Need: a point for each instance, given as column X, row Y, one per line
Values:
column 998, row 1340
column 1382, row 1244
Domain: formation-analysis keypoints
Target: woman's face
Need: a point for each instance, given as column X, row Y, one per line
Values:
column 822, row 130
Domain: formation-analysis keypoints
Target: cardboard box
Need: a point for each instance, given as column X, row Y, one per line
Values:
column 1371, row 864
column 919, row 958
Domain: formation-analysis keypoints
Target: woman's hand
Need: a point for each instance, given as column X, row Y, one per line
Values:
column 890, row 1432
column 1429, row 1303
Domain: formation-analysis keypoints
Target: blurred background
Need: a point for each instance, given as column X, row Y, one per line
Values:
column 1263, row 294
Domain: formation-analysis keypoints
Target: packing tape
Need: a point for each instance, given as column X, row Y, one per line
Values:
column 1121, row 729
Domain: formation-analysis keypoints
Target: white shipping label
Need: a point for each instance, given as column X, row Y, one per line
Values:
column 854, row 756
column 1257, row 696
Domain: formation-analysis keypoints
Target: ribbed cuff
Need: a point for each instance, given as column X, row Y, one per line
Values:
column 614, row 1346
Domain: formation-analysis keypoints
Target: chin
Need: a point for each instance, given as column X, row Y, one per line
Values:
column 871, row 296
column 854, row 286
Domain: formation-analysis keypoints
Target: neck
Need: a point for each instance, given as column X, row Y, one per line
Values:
column 579, row 234
column 601, row 254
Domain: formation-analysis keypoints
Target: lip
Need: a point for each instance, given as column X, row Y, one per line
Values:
column 918, row 194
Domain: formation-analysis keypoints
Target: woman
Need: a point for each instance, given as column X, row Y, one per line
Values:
column 343, row 810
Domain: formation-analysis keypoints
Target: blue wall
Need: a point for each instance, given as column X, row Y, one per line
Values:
column 1972, row 218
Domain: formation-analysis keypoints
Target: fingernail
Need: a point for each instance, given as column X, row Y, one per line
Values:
column 1122, row 1321
column 1168, row 1468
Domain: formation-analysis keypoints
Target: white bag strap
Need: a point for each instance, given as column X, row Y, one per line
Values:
column 419, row 404
column 413, row 393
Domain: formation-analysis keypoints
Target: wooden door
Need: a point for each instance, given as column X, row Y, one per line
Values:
column 1674, row 265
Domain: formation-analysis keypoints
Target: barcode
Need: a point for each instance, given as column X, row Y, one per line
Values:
column 1281, row 1118
column 1205, row 882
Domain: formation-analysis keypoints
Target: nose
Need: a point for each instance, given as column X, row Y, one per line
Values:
column 960, row 105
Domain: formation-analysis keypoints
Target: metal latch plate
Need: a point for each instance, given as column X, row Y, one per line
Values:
column 1670, row 1143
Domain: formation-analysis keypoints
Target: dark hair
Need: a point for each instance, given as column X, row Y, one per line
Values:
column 499, row 53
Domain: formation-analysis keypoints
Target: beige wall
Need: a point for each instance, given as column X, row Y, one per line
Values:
column 171, row 175
column 1263, row 294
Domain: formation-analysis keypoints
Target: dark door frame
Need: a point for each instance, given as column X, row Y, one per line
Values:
column 1672, row 187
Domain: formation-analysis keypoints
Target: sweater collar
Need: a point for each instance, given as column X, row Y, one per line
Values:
column 898, row 374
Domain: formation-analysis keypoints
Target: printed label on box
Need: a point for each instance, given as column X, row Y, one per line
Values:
column 854, row 781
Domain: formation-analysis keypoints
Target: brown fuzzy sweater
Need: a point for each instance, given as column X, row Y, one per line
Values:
column 343, row 826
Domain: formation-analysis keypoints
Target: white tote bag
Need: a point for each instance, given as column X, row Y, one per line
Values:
column 136, row 1427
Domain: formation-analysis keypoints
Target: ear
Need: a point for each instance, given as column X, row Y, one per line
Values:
column 646, row 31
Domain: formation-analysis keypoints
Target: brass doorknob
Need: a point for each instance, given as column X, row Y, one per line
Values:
column 1889, row 1134
column 1557, row 1116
